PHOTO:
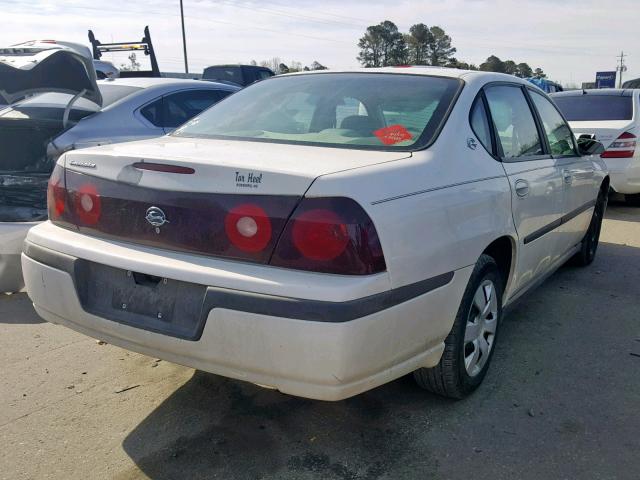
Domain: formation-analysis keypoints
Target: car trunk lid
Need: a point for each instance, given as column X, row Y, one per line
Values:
column 223, row 166
column 197, row 195
column 605, row 132
column 26, row 70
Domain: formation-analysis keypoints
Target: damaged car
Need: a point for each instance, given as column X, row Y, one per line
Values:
column 56, row 104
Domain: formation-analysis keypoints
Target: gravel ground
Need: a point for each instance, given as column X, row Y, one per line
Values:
column 561, row 401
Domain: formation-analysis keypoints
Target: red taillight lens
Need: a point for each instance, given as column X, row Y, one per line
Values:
column 87, row 204
column 330, row 235
column 248, row 227
column 320, row 234
column 56, row 193
column 623, row 147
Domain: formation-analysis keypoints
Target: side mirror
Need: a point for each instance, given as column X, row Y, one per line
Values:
column 589, row 146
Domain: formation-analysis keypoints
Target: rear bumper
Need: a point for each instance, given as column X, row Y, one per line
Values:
column 12, row 236
column 305, row 347
column 624, row 175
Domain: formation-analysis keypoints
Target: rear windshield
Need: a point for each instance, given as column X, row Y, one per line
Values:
column 358, row 110
column 595, row 107
column 229, row 74
column 113, row 93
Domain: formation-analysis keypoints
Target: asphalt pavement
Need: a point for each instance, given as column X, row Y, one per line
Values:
column 561, row 401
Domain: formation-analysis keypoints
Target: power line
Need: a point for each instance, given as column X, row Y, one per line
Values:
column 243, row 26
column 285, row 13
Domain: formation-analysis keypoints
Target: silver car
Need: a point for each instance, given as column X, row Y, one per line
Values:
column 71, row 110
column 135, row 109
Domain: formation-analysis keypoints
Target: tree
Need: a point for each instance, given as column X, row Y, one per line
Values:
column 510, row 67
column 133, row 65
column 316, row 66
column 440, row 49
column 382, row 45
column 371, row 47
column 538, row 73
column 455, row 63
column 524, row 71
column 419, row 41
column 493, row 64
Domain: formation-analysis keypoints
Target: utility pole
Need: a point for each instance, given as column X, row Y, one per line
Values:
column 184, row 40
column 621, row 67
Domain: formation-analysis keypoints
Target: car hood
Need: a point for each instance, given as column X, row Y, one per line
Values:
column 28, row 70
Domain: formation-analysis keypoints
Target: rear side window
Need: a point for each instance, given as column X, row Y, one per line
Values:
column 480, row 124
column 517, row 131
column 593, row 107
column 362, row 110
column 557, row 131
column 183, row 106
column 153, row 112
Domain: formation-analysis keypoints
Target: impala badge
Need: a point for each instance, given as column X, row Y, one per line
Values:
column 156, row 217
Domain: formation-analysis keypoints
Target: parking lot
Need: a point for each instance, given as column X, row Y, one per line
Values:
column 560, row 401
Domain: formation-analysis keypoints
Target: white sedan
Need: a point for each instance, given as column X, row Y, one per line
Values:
column 323, row 233
column 611, row 116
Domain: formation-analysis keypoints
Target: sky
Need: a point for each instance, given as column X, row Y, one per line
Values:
column 569, row 39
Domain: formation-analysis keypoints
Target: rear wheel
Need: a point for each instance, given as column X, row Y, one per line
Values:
column 589, row 244
column 470, row 344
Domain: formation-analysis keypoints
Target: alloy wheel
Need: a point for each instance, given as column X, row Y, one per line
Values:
column 480, row 332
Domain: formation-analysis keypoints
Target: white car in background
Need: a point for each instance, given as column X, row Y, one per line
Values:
column 323, row 233
column 67, row 109
column 611, row 116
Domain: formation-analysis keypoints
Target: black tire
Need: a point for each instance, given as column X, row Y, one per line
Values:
column 450, row 377
column 633, row 200
column 589, row 244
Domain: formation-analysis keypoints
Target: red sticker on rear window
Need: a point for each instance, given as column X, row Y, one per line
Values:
column 393, row 134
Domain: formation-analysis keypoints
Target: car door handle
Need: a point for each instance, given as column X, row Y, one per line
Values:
column 522, row 188
column 567, row 175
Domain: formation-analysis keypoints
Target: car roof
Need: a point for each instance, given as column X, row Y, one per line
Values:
column 470, row 76
column 600, row 92
column 149, row 82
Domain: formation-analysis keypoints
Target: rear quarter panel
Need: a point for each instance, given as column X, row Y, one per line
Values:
column 436, row 211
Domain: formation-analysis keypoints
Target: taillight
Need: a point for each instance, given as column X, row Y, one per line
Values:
column 87, row 204
column 248, row 227
column 320, row 234
column 623, row 147
column 330, row 235
column 56, row 193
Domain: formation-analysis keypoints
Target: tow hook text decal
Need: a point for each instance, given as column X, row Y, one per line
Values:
column 248, row 180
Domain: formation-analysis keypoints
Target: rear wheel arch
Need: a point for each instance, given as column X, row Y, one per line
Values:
column 503, row 251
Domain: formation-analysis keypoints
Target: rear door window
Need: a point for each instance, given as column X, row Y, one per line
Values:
column 517, row 131
column 594, row 107
column 558, row 132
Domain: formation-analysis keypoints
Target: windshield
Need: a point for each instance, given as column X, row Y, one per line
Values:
column 595, row 107
column 360, row 110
